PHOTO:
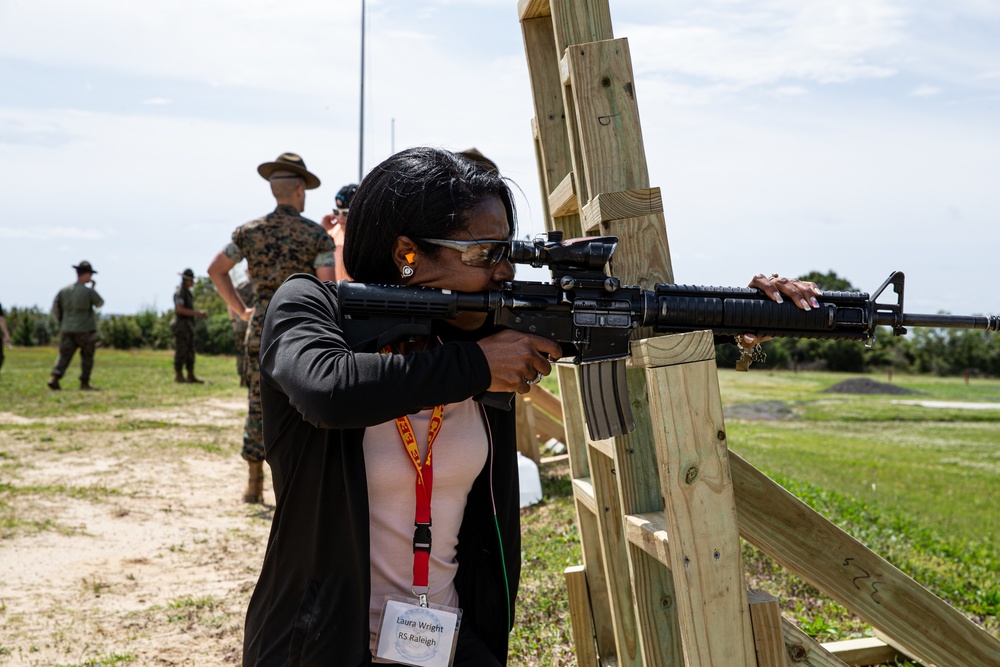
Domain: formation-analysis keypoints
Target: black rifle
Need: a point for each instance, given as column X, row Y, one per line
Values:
column 592, row 316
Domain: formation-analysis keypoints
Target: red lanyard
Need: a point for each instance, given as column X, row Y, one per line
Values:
column 424, row 486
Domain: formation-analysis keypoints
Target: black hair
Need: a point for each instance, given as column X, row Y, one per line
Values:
column 421, row 193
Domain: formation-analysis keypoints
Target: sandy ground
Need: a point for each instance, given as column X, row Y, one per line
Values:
column 129, row 542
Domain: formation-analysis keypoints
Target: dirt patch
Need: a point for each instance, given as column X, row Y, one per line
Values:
column 867, row 386
column 764, row 410
column 127, row 543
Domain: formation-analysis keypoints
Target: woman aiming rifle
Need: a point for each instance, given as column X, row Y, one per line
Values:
column 349, row 434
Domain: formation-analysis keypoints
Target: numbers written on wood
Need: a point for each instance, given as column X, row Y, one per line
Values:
column 864, row 574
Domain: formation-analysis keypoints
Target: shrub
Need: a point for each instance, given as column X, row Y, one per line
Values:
column 121, row 332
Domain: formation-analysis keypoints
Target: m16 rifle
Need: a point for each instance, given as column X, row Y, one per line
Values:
column 593, row 317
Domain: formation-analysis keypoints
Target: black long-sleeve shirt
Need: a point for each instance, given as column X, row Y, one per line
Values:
column 310, row 606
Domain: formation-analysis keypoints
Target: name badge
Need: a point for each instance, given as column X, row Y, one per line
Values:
column 420, row 636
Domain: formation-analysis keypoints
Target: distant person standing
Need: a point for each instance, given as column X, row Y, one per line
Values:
column 4, row 335
column 245, row 290
column 73, row 308
column 275, row 246
column 335, row 224
column 183, row 326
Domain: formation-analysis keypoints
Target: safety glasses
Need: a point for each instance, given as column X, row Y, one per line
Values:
column 483, row 254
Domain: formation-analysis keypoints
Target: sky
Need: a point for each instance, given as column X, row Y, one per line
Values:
column 854, row 136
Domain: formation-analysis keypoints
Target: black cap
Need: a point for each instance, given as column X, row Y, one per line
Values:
column 345, row 195
column 84, row 267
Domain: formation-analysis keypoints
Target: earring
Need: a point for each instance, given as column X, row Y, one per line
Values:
column 407, row 271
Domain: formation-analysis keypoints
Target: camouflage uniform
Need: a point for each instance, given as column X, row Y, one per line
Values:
column 245, row 290
column 73, row 308
column 183, row 326
column 275, row 246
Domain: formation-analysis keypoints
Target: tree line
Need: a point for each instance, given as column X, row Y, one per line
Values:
column 146, row 329
column 923, row 350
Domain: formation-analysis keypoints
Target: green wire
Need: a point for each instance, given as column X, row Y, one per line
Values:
column 503, row 568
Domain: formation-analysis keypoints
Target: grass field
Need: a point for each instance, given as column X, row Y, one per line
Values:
column 919, row 485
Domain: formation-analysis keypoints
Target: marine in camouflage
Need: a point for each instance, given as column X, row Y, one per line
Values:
column 245, row 290
column 276, row 246
column 183, row 326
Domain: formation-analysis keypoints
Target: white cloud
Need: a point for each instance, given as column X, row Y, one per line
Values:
column 738, row 46
column 46, row 233
column 925, row 91
column 157, row 101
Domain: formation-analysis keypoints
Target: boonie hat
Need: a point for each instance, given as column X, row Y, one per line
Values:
column 480, row 159
column 84, row 267
column 188, row 273
column 345, row 195
column 289, row 162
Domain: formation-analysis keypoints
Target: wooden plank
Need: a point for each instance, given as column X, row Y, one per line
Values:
column 700, row 515
column 674, row 349
column 562, row 200
column 643, row 255
column 547, row 428
column 606, row 117
column 912, row 619
column 765, row 618
column 576, row 431
column 607, row 206
column 653, row 587
column 546, row 400
column 804, row 651
column 584, row 639
column 580, row 22
column 648, row 531
column 525, row 431
column 553, row 142
column 593, row 561
column 864, row 651
column 533, row 9
column 610, row 518
column 583, row 492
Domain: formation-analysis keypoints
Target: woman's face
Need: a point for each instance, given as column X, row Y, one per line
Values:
column 487, row 222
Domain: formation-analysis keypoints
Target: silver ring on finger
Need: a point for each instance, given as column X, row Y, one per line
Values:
column 536, row 380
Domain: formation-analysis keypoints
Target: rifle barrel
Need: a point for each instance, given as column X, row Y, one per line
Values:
column 986, row 322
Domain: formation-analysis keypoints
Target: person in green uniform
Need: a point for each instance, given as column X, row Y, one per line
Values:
column 183, row 326
column 4, row 335
column 73, row 308
column 275, row 246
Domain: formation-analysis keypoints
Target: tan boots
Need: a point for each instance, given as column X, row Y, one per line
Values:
column 255, row 484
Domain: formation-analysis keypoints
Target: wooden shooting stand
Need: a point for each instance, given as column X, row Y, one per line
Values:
column 661, row 511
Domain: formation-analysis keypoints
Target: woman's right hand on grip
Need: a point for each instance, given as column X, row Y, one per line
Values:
column 518, row 360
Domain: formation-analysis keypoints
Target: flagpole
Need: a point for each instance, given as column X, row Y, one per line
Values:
column 361, row 115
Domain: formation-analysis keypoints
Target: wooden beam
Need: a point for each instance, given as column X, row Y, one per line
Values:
column 700, row 515
column 546, row 400
column 580, row 22
column 578, row 595
column 648, row 531
column 562, row 200
column 765, row 617
column 606, row 118
column 912, row 619
column 864, row 651
column 621, row 205
column 682, row 348
column 533, row 9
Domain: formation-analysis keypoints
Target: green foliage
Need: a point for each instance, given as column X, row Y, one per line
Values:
column 121, row 332
column 206, row 298
column 214, row 335
column 31, row 326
